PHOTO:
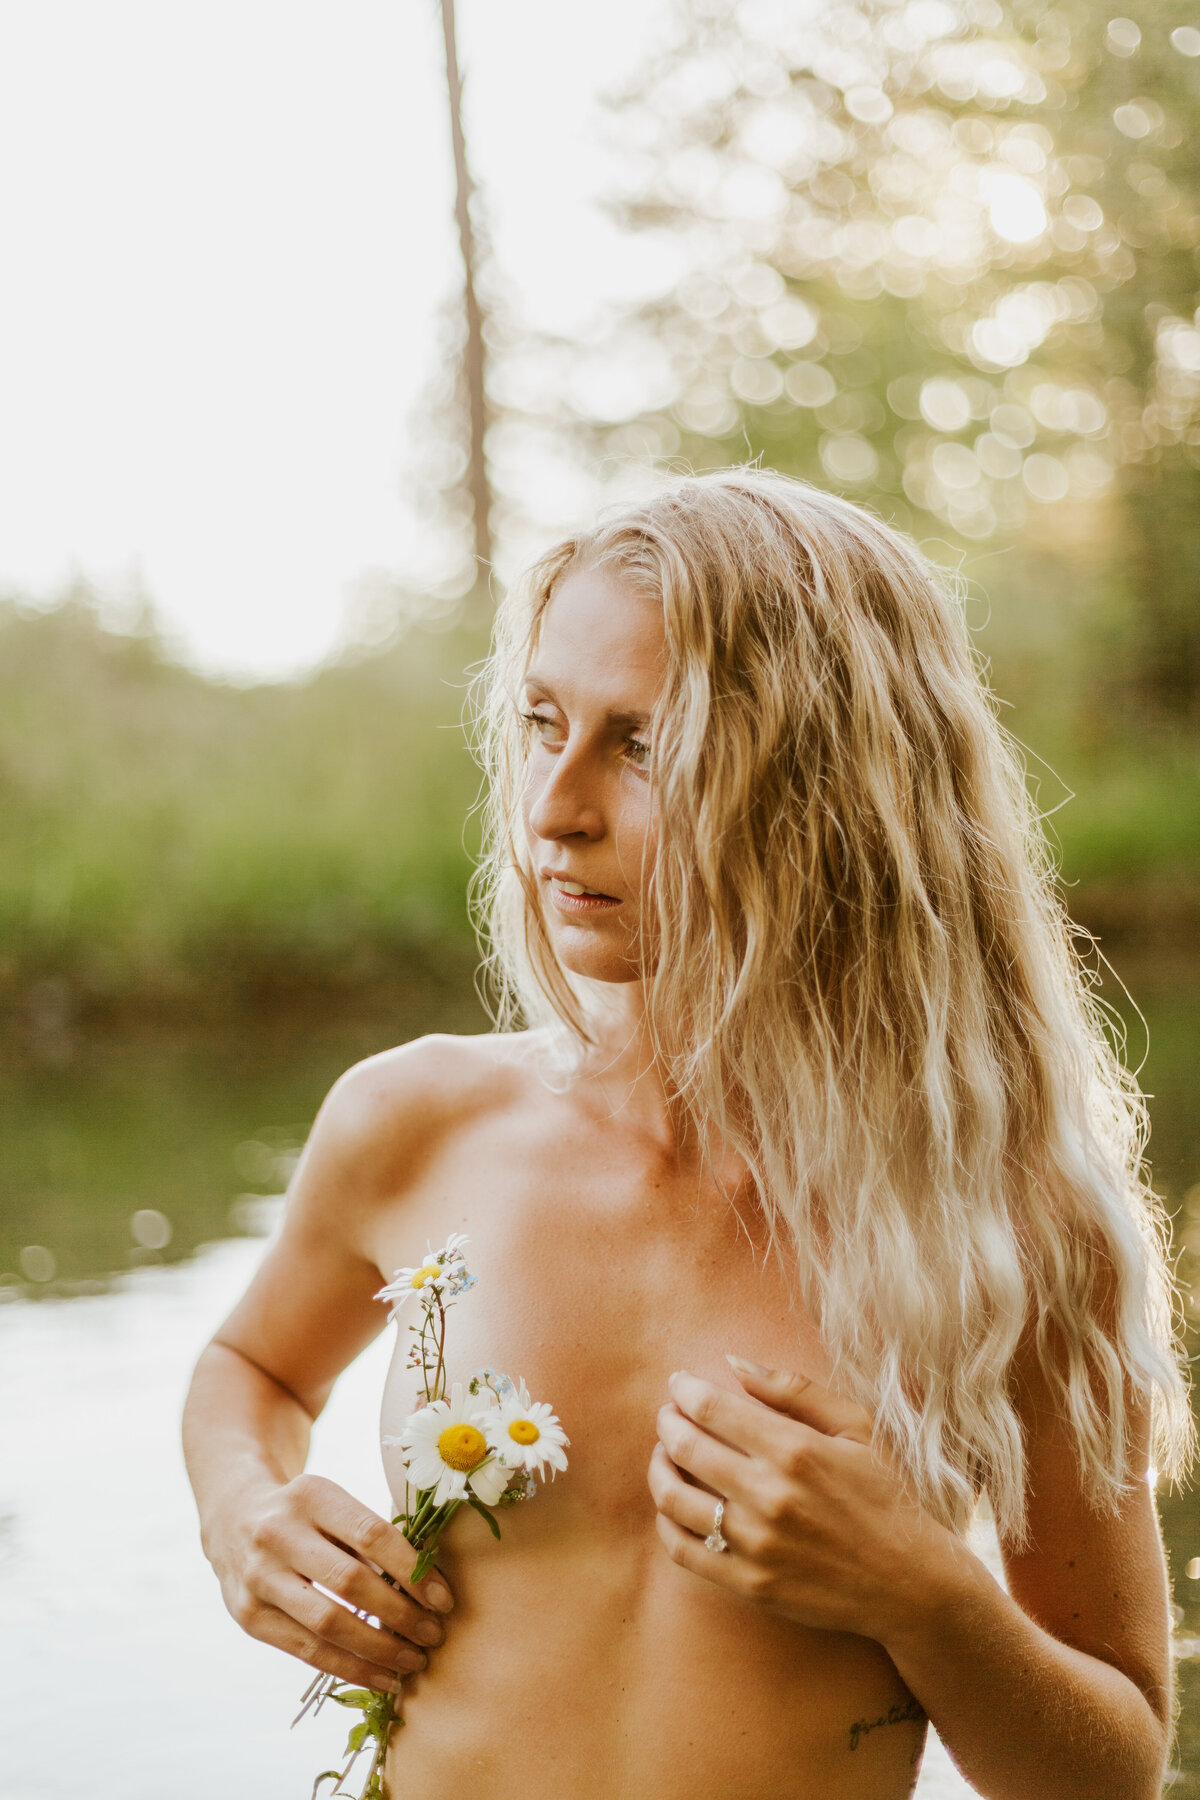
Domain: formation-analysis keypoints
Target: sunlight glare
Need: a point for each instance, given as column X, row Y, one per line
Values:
column 1016, row 209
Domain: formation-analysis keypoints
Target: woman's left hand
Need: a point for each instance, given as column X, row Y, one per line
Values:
column 820, row 1528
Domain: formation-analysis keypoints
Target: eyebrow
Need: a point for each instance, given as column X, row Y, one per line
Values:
column 612, row 716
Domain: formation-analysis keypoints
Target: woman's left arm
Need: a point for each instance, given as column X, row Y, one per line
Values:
column 1061, row 1687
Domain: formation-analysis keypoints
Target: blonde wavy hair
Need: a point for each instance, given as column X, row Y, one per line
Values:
column 863, row 980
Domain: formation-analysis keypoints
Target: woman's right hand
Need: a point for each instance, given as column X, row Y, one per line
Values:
column 285, row 1540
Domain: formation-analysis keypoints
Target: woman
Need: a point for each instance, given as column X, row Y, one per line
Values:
column 812, row 1083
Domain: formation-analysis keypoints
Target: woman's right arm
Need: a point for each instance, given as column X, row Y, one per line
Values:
column 275, row 1536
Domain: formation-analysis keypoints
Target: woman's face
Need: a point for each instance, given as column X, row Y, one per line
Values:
column 589, row 815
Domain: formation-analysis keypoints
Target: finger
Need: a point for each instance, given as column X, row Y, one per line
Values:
column 272, row 1626
column 335, row 1625
column 804, row 1399
column 319, row 1559
column 724, row 1470
column 690, row 1507
column 355, row 1526
column 743, row 1423
column 685, row 1549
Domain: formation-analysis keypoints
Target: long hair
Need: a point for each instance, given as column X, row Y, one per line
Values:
column 863, row 981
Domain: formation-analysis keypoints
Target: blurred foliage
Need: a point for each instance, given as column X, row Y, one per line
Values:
column 944, row 256
column 941, row 254
column 168, row 836
column 175, row 843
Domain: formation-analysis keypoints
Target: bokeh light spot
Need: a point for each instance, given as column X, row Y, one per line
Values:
column 38, row 1263
column 1014, row 205
column 1083, row 212
column 808, row 384
column 1013, row 425
column 944, row 404
column 1000, row 78
column 1134, row 119
column 955, row 466
column 870, row 105
column 848, row 458
column 1123, row 37
column 150, row 1228
column 1178, row 342
column 756, row 379
column 1046, row 478
column 791, row 323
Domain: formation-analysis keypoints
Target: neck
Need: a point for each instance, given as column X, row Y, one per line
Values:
column 623, row 1063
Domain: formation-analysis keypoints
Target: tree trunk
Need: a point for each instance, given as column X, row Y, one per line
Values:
column 478, row 483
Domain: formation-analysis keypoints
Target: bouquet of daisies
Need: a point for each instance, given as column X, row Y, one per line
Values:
column 484, row 1447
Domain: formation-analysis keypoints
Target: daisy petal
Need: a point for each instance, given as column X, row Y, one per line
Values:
column 490, row 1481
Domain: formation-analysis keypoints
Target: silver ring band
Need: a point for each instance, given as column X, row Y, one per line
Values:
column 715, row 1541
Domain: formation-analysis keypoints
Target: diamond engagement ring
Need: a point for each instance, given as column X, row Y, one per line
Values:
column 714, row 1540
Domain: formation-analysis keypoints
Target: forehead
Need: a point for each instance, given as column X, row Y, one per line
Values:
column 601, row 640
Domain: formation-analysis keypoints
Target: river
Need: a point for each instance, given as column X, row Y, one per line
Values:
column 137, row 1178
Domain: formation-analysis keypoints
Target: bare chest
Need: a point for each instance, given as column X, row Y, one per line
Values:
column 597, row 1273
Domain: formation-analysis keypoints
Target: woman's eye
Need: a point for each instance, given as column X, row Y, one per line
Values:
column 547, row 729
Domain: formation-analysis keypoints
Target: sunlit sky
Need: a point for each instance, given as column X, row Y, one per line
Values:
column 226, row 230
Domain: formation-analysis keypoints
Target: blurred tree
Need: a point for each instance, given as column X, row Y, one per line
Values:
column 448, row 473
column 473, row 368
column 943, row 255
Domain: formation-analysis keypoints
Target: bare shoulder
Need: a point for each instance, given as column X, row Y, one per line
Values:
column 391, row 1109
column 311, row 1306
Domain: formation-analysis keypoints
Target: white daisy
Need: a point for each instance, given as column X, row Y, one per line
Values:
column 442, row 1273
column 526, row 1436
column 445, row 1447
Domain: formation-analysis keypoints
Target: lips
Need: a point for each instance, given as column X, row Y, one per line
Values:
column 565, row 888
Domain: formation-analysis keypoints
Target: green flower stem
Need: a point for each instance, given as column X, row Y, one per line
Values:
column 439, row 1378
column 423, row 1528
column 415, row 1524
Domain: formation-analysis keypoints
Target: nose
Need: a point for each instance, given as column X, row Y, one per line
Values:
column 562, row 797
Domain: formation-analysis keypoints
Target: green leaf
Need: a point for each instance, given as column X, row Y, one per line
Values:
column 476, row 1505
column 355, row 1697
column 357, row 1738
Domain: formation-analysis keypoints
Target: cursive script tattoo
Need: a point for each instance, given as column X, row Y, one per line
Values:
column 895, row 1715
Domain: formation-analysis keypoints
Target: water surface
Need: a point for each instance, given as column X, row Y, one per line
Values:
column 135, row 1178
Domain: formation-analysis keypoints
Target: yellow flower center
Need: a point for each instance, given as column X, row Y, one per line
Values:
column 461, row 1447
column 421, row 1276
column 524, row 1431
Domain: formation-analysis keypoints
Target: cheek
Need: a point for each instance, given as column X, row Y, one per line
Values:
column 636, row 856
column 637, row 840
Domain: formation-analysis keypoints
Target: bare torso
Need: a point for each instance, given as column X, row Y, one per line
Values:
column 580, row 1661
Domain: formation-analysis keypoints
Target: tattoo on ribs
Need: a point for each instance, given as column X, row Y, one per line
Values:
column 895, row 1715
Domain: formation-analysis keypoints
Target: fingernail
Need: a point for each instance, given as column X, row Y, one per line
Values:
column 743, row 1366
column 439, row 1597
column 426, row 1632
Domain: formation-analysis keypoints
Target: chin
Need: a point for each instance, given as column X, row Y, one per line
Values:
column 595, row 962
column 615, row 970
